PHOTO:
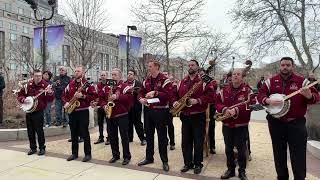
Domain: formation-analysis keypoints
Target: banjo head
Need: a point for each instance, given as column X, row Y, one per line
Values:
column 276, row 109
column 28, row 105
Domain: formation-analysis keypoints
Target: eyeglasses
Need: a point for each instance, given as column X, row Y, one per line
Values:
column 102, row 75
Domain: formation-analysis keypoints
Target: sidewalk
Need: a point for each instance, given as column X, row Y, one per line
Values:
column 54, row 164
column 16, row 165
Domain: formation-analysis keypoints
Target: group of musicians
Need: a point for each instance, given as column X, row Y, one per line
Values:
column 127, row 97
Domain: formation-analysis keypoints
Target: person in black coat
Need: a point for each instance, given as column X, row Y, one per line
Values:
column 2, row 86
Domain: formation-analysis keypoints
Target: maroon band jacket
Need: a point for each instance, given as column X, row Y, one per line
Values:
column 229, row 96
column 89, row 93
column 299, row 103
column 163, row 88
column 32, row 89
column 204, row 94
column 124, row 100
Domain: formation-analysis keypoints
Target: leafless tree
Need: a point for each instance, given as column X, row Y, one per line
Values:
column 84, row 20
column 280, row 26
column 215, row 47
column 169, row 22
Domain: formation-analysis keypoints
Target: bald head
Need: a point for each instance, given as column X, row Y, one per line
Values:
column 78, row 72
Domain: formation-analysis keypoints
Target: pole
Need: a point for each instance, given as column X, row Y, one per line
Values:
column 43, row 44
column 128, row 36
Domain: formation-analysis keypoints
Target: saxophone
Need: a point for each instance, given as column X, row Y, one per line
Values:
column 74, row 102
column 183, row 102
column 109, row 106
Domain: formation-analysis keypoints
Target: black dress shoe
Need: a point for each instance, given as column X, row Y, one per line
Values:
column 113, row 160
column 213, row 151
column 41, row 152
column 228, row 174
column 32, row 151
column 125, row 161
column 197, row 170
column 87, row 158
column 100, row 140
column 172, row 147
column 107, row 142
column 72, row 157
column 70, row 140
column 165, row 166
column 242, row 175
column 145, row 162
column 143, row 142
column 185, row 168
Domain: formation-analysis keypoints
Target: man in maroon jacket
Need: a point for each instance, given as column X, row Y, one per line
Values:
column 122, row 98
column 156, row 85
column 289, row 129
column 235, row 128
column 35, row 119
column 79, row 118
column 193, row 118
column 103, row 91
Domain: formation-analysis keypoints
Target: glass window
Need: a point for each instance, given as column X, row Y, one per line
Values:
column 20, row 11
column 13, row 37
column 25, row 30
column 7, row 7
column 12, row 66
column 1, row 23
column 13, row 27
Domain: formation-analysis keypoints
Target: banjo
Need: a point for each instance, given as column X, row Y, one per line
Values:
column 31, row 102
column 283, row 108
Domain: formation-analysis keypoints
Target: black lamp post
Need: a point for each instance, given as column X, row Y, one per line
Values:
column 34, row 6
column 134, row 28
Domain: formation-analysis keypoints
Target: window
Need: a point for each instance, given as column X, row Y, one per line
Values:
column 20, row 11
column 65, row 55
column 13, row 27
column 12, row 66
column 1, row 23
column 7, row 7
column 25, row 30
column 13, row 37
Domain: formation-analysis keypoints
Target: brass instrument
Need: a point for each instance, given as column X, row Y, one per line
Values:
column 110, row 104
column 222, row 116
column 184, row 101
column 74, row 102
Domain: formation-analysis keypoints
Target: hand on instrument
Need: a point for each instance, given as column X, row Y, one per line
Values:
column 66, row 105
column 113, row 97
column 150, row 94
column 306, row 92
column 143, row 101
column 78, row 95
column 193, row 101
column 93, row 104
column 231, row 112
column 274, row 102
column 25, row 101
column 176, row 103
column 49, row 90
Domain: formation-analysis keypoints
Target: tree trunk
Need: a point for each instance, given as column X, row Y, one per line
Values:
column 313, row 123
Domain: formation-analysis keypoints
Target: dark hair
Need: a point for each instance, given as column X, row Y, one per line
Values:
column 134, row 71
column 287, row 59
column 195, row 61
column 36, row 71
column 49, row 74
column 155, row 62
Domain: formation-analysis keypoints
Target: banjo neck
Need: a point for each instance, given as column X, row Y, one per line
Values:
column 298, row 91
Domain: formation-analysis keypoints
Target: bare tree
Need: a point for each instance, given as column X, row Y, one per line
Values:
column 169, row 21
column 280, row 26
column 215, row 47
column 84, row 20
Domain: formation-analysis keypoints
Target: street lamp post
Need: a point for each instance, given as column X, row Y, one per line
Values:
column 134, row 28
column 34, row 6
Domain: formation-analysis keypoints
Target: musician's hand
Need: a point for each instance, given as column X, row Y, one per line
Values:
column 193, row 101
column 66, row 105
column 274, row 102
column 49, row 90
column 143, row 101
column 176, row 103
column 150, row 94
column 78, row 95
column 306, row 92
column 113, row 97
column 93, row 104
column 230, row 112
column 25, row 101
